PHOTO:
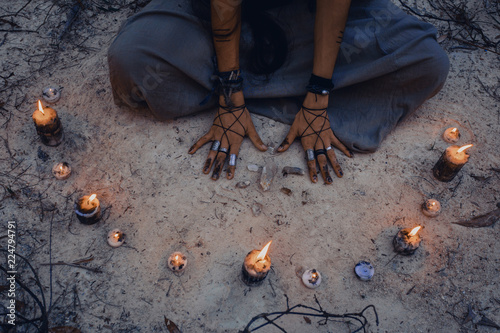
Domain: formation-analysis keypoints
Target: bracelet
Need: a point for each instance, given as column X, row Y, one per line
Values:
column 319, row 85
column 227, row 83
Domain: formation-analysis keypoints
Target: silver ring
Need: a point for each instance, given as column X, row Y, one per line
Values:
column 215, row 145
column 223, row 150
column 310, row 155
column 232, row 159
column 328, row 148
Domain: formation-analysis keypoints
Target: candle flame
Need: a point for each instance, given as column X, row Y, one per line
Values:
column 314, row 275
column 40, row 107
column 414, row 231
column 461, row 149
column 454, row 130
column 176, row 257
column 92, row 197
column 60, row 168
column 263, row 253
column 117, row 235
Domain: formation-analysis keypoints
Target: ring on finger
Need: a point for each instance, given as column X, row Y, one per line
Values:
column 309, row 154
column 223, row 150
column 318, row 152
column 232, row 159
column 328, row 148
column 215, row 145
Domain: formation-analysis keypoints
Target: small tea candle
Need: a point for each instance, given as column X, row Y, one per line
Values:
column 431, row 208
column 177, row 262
column 51, row 94
column 407, row 241
column 61, row 170
column 364, row 270
column 311, row 278
column 48, row 126
column 450, row 163
column 451, row 135
column 256, row 266
column 88, row 209
column 116, row 238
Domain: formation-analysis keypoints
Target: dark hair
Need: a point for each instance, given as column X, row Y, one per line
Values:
column 270, row 47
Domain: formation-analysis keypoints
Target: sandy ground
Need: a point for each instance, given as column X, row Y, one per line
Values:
column 156, row 193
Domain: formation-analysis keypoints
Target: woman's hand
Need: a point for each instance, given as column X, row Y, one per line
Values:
column 230, row 126
column 312, row 126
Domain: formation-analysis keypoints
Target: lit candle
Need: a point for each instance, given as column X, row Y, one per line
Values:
column 450, row 163
column 431, row 207
column 311, row 278
column 48, row 126
column 177, row 262
column 88, row 209
column 451, row 135
column 256, row 266
column 51, row 94
column 407, row 241
column 364, row 270
column 116, row 238
column 61, row 170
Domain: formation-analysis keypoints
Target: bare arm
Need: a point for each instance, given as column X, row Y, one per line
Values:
column 312, row 124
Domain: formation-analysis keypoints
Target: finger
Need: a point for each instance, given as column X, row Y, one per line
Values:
column 290, row 138
column 219, row 164
column 204, row 139
column 323, row 168
column 209, row 161
column 255, row 138
column 337, row 144
column 311, row 162
column 233, row 157
column 333, row 160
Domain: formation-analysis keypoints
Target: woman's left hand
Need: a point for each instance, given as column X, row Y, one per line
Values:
column 312, row 126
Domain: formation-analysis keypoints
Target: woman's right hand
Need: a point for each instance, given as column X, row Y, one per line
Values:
column 230, row 126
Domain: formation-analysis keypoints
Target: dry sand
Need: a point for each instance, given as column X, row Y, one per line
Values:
column 156, row 193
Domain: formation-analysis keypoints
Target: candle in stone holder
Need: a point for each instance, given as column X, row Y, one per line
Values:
column 61, row 170
column 48, row 126
column 177, row 262
column 431, row 208
column 88, row 209
column 451, row 135
column 256, row 266
column 407, row 241
column 450, row 163
column 116, row 238
column 311, row 278
column 51, row 94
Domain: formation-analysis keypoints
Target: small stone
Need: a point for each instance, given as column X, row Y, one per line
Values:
column 243, row 184
column 288, row 170
column 253, row 167
column 256, row 209
column 267, row 176
column 286, row 190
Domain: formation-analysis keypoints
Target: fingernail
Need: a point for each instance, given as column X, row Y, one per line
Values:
column 350, row 152
column 315, row 178
column 329, row 179
column 341, row 173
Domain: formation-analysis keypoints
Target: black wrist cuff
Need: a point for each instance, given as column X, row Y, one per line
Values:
column 319, row 85
column 227, row 83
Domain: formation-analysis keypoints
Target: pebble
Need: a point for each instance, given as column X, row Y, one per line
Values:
column 256, row 209
column 253, row 167
column 267, row 176
column 243, row 184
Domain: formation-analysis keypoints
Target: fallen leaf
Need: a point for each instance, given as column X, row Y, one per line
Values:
column 482, row 221
column 172, row 328
column 307, row 320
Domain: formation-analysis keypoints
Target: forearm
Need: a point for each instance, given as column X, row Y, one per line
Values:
column 331, row 17
column 226, row 29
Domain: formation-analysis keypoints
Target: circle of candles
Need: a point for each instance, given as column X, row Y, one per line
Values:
column 88, row 209
column 116, row 238
column 407, row 241
column 431, row 208
column 364, row 270
column 451, row 135
column 256, row 266
column 450, row 163
column 177, row 262
column 61, row 170
column 51, row 94
column 48, row 126
column 311, row 278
